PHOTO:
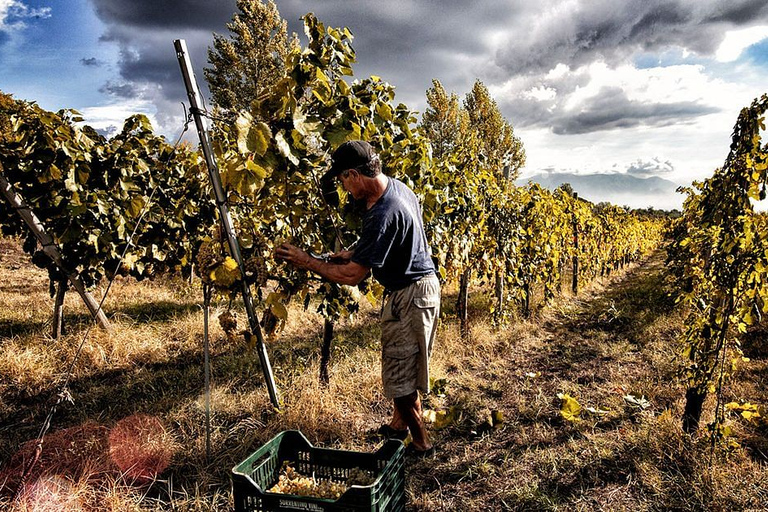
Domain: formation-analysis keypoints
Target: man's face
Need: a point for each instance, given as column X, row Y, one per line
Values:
column 350, row 181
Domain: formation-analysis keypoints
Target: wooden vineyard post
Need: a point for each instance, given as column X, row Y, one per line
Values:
column 462, row 302
column 575, row 282
column 51, row 249
column 325, row 352
column 193, row 92
column 499, row 289
column 58, row 309
column 527, row 298
column 207, row 292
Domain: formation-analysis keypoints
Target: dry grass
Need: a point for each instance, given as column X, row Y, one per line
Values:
column 134, row 437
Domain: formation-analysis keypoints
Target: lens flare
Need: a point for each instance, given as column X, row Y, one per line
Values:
column 141, row 447
column 50, row 494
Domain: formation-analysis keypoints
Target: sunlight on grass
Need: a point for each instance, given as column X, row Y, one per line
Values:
column 134, row 438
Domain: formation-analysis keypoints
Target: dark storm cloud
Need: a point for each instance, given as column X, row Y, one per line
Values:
column 612, row 109
column 409, row 43
column 150, row 59
column 406, row 43
column 200, row 14
column 122, row 90
column 739, row 12
column 613, row 30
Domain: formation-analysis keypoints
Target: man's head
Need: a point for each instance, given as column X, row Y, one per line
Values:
column 355, row 155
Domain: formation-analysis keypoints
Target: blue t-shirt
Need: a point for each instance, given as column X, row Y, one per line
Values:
column 393, row 243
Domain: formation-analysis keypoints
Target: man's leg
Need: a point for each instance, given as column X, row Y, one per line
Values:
column 409, row 409
column 398, row 423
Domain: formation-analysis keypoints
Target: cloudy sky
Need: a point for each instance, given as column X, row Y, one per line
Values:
column 642, row 88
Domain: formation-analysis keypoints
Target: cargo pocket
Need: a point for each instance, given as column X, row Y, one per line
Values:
column 426, row 302
column 399, row 346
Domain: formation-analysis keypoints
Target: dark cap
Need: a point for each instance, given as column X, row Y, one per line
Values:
column 350, row 155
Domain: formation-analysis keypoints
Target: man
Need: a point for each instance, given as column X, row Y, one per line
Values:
column 394, row 247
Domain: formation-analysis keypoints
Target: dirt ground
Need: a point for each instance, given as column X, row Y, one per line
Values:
column 502, row 440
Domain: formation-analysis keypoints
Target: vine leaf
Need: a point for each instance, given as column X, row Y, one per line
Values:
column 226, row 273
column 637, row 401
column 277, row 307
column 570, row 409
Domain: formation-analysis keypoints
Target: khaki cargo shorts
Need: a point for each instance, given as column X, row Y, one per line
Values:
column 408, row 325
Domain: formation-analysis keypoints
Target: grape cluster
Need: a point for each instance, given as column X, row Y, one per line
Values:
column 359, row 476
column 228, row 323
column 256, row 270
column 291, row 481
column 208, row 256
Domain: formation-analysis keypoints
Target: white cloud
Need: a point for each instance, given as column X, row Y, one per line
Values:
column 736, row 41
column 649, row 85
column 13, row 13
column 541, row 93
column 109, row 118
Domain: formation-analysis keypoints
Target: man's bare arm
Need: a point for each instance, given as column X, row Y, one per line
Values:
column 349, row 272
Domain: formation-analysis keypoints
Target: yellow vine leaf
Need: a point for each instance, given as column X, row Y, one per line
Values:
column 570, row 409
column 226, row 273
column 441, row 419
column 277, row 307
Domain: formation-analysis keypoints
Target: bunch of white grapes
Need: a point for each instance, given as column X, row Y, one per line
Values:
column 359, row 476
column 291, row 481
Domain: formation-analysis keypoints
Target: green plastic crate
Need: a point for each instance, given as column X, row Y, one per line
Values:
column 259, row 472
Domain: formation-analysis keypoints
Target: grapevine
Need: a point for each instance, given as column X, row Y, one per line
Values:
column 89, row 192
column 718, row 256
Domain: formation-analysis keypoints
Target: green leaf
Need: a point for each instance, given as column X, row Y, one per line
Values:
column 384, row 111
column 225, row 274
column 285, row 148
column 260, row 135
column 305, row 127
column 258, row 171
column 337, row 136
column 252, row 138
column 442, row 418
column 497, row 418
column 277, row 307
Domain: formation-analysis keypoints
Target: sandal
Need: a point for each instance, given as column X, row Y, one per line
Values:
column 412, row 451
column 388, row 432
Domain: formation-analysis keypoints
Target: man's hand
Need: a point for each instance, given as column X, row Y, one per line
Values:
column 293, row 255
column 339, row 269
column 341, row 256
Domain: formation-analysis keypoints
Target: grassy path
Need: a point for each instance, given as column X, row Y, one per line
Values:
column 612, row 349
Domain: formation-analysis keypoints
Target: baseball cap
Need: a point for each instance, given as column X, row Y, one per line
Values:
column 350, row 155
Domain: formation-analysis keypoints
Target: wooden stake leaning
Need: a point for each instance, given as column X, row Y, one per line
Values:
column 197, row 111
column 51, row 249
column 207, row 292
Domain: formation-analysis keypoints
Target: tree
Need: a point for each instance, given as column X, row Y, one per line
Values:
column 503, row 151
column 567, row 189
column 247, row 64
column 444, row 121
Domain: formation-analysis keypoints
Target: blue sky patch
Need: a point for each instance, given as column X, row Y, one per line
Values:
column 758, row 53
